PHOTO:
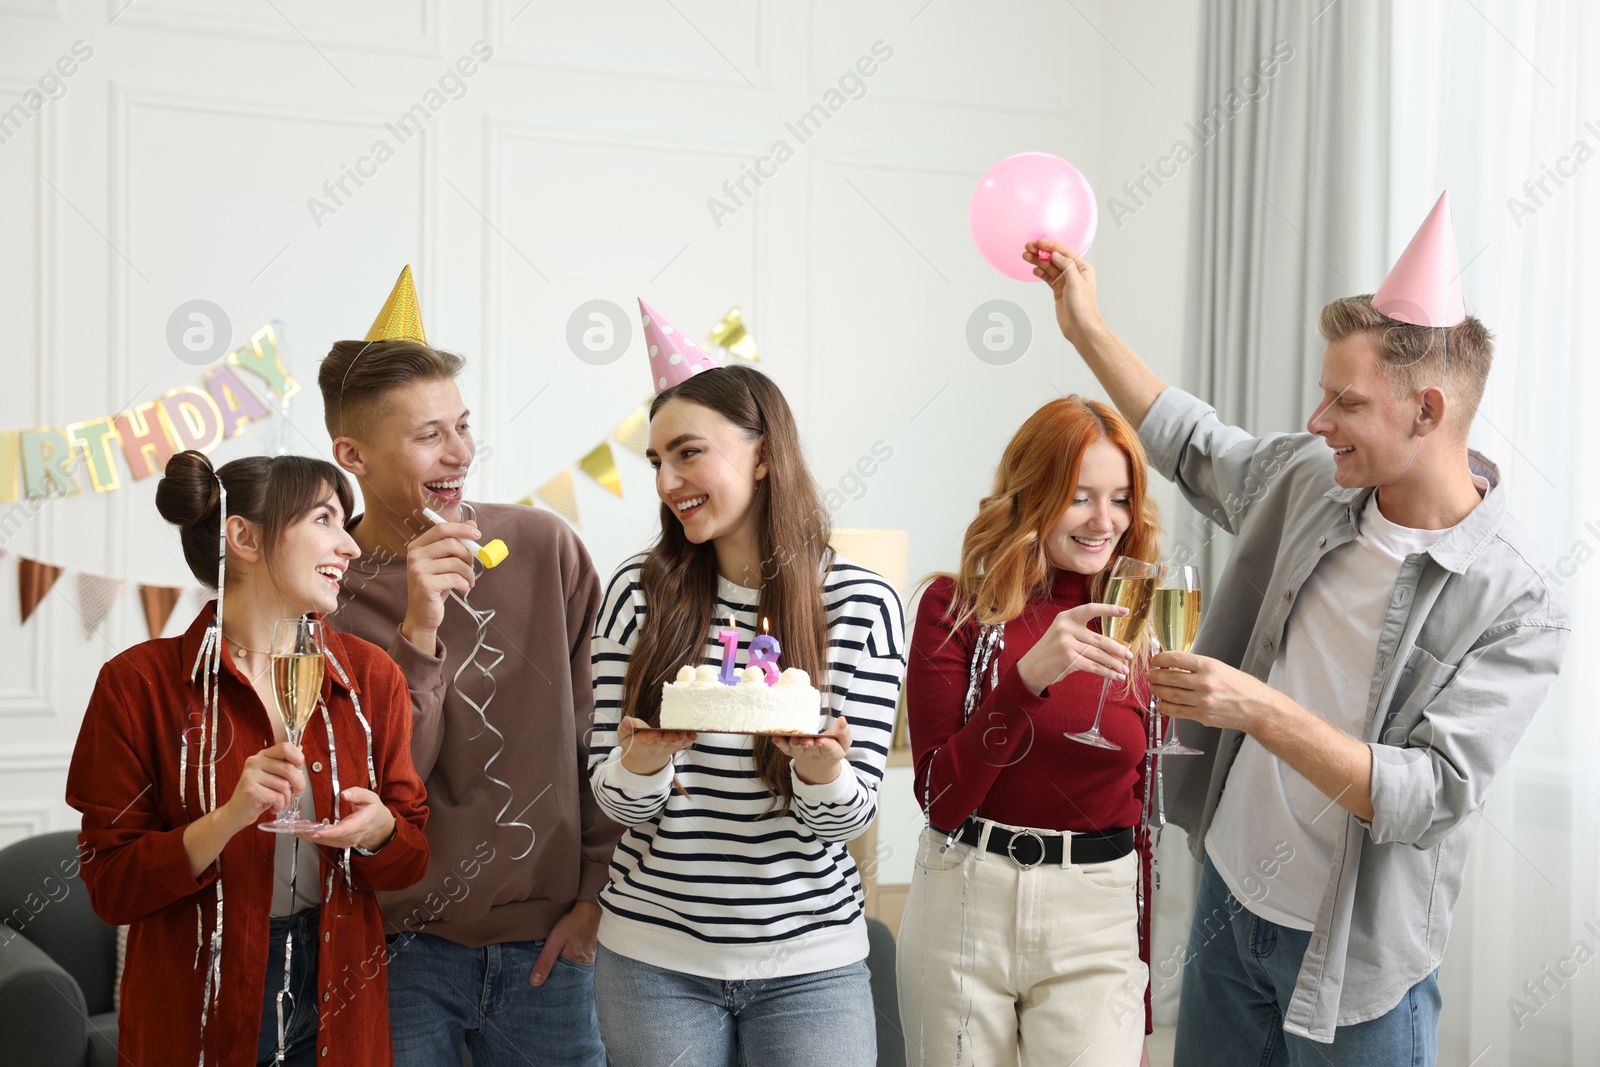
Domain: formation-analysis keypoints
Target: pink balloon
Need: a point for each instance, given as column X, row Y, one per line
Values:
column 1023, row 198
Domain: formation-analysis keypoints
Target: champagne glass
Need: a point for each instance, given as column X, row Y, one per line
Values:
column 1175, row 609
column 1130, row 586
column 297, row 668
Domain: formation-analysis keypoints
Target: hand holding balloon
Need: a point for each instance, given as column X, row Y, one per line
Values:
column 1072, row 278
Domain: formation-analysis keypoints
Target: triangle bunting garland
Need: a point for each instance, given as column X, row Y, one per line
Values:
column 158, row 601
column 34, row 581
column 96, row 594
column 559, row 494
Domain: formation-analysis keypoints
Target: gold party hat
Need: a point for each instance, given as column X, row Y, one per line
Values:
column 400, row 319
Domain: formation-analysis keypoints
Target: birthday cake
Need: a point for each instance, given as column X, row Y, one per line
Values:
column 699, row 700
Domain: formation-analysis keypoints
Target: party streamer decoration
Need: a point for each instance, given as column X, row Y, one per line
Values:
column 481, row 645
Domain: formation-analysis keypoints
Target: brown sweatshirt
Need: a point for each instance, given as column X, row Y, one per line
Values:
column 480, row 887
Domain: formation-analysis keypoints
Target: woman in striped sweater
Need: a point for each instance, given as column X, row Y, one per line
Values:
column 732, row 929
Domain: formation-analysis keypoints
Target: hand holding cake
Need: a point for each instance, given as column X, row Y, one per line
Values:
column 818, row 760
column 644, row 750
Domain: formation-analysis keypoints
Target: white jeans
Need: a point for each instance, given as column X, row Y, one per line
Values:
column 1000, row 966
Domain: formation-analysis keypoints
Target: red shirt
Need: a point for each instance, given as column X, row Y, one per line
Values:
column 1012, row 761
column 124, row 779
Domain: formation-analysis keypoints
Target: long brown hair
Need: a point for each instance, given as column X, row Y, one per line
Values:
column 679, row 577
column 1003, row 560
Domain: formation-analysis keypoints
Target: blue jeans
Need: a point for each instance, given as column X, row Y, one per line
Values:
column 300, row 1012
column 442, row 995
column 1237, row 981
column 652, row 1017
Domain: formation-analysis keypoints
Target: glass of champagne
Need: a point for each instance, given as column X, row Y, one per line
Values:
column 1130, row 586
column 297, row 668
column 1175, row 609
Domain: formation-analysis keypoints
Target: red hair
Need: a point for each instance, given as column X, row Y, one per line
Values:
column 1003, row 561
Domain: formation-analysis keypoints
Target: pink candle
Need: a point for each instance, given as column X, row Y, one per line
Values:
column 730, row 649
column 764, row 653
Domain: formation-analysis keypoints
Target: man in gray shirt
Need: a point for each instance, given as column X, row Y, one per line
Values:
column 1377, row 644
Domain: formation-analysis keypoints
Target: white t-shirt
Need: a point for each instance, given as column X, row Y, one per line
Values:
column 1273, row 837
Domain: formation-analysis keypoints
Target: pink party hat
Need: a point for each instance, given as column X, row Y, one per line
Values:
column 1424, row 287
column 673, row 357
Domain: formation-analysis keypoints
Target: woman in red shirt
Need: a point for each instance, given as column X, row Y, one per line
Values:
column 1021, row 940
column 172, row 783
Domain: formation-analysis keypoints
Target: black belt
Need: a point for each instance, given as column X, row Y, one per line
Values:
column 1029, row 848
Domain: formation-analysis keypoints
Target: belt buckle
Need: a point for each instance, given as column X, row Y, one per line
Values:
column 1011, row 848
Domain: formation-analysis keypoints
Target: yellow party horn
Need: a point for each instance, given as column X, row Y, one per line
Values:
column 490, row 555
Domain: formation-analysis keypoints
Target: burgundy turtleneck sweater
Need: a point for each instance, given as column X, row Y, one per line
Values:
column 1011, row 761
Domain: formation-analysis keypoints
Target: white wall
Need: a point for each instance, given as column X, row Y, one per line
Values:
column 576, row 166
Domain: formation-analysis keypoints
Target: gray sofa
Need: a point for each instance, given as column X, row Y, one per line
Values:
column 58, row 961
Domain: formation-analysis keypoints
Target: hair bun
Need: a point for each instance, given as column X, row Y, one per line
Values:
column 189, row 491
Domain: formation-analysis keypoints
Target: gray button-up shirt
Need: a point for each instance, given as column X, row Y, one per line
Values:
column 1471, row 642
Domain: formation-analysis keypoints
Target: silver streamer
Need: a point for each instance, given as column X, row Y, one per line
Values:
column 985, row 659
column 355, row 701
column 207, row 666
column 288, row 956
column 372, row 773
column 333, row 771
column 483, row 619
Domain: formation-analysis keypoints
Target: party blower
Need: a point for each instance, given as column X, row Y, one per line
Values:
column 490, row 555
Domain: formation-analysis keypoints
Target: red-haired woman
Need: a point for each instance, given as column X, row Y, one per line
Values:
column 1021, row 932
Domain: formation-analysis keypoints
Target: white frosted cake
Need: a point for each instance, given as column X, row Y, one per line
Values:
column 698, row 700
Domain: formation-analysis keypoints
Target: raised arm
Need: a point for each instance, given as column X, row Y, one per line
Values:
column 1127, row 380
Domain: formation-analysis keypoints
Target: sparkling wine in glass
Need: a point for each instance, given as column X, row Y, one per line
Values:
column 297, row 668
column 1130, row 586
column 1175, row 610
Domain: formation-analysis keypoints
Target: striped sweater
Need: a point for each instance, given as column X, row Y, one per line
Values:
column 717, row 883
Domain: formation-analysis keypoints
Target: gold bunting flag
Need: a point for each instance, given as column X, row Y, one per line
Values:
column 601, row 465
column 158, row 601
column 559, row 494
column 634, row 433
column 96, row 594
column 731, row 334
column 526, row 502
column 34, row 580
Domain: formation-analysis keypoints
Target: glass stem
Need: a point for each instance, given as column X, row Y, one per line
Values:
column 1105, row 687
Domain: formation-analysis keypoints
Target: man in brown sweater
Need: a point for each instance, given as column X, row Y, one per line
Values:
column 495, row 946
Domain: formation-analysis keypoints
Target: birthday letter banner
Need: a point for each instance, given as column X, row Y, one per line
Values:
column 189, row 417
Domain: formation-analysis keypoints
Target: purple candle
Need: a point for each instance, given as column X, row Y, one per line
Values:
column 764, row 653
column 730, row 649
